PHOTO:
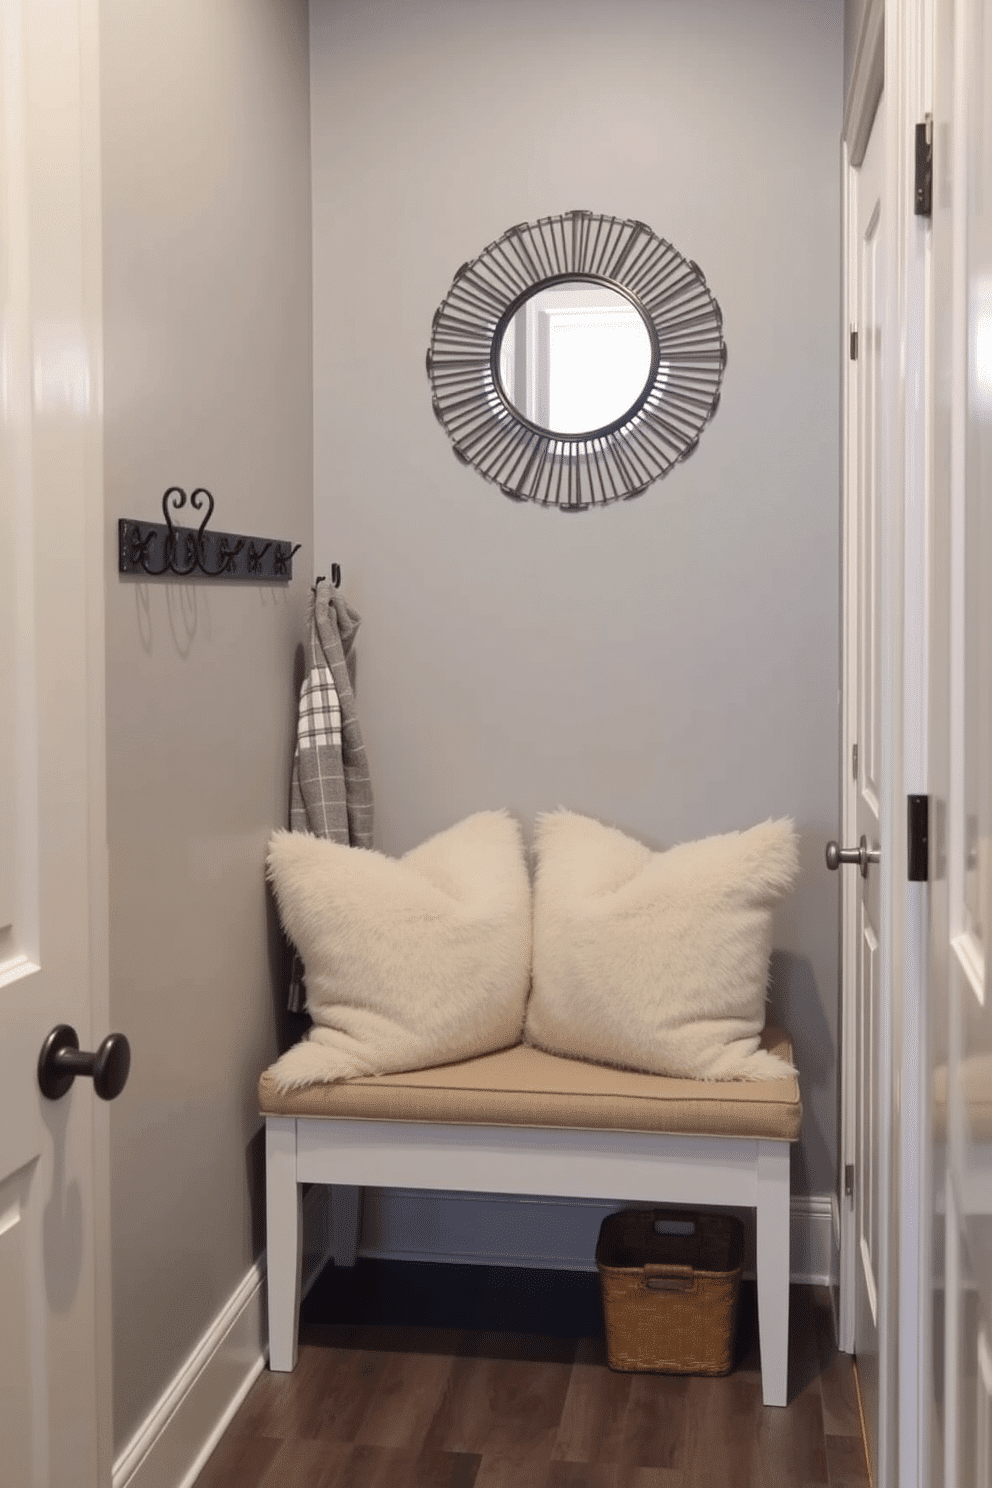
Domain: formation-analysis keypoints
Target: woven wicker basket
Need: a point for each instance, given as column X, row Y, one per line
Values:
column 670, row 1282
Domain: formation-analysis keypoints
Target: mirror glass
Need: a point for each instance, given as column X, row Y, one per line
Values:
column 575, row 357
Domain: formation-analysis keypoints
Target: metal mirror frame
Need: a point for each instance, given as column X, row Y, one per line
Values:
column 575, row 472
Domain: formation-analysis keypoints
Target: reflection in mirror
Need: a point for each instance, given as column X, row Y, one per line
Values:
column 575, row 357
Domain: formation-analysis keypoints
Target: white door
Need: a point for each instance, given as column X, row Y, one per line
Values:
column 54, row 1383
column 867, row 1068
column 961, row 745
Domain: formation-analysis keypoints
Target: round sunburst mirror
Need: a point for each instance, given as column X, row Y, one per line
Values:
column 576, row 360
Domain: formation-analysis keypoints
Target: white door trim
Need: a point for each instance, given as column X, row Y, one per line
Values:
column 95, row 559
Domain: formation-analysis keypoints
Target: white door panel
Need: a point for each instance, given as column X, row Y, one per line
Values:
column 53, row 1417
column 865, row 1008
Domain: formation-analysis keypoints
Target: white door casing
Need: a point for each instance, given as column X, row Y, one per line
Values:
column 54, row 1256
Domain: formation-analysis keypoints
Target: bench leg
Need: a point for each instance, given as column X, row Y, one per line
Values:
column 346, row 1222
column 773, row 1270
column 283, row 1240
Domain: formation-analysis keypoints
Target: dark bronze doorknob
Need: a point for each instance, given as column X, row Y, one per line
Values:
column 61, row 1060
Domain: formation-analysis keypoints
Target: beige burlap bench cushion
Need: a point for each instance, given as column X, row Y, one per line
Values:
column 525, row 1087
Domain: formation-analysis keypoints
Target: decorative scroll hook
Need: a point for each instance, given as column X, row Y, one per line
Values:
column 226, row 553
column 265, row 558
column 172, row 545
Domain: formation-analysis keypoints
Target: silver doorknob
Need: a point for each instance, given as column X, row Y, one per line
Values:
column 862, row 855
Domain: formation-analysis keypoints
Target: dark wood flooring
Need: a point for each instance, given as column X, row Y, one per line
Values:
column 423, row 1404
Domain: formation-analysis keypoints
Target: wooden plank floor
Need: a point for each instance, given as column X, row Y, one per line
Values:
column 417, row 1407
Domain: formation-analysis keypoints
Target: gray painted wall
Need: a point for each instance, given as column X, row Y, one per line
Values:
column 669, row 665
column 208, row 382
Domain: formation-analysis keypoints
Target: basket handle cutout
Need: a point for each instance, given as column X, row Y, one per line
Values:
column 674, row 1227
column 669, row 1279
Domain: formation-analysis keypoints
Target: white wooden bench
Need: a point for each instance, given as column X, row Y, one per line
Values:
column 523, row 1122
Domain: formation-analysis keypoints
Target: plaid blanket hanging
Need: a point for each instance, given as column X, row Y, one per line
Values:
column 330, row 791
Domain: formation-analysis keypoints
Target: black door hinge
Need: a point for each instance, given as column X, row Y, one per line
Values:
column 854, row 344
column 923, row 198
column 918, row 838
column 849, row 1181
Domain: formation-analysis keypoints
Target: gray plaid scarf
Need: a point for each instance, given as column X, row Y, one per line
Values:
column 330, row 792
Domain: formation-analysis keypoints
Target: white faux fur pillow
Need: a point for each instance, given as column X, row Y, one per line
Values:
column 410, row 962
column 656, row 961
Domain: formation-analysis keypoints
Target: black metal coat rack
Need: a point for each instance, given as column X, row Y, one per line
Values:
column 164, row 550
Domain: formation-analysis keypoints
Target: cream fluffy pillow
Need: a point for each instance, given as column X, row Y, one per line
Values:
column 409, row 962
column 656, row 961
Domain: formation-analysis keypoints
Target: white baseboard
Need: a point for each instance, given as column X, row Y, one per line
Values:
column 513, row 1230
column 814, row 1257
column 172, row 1444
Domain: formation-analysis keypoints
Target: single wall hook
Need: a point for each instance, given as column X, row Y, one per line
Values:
column 335, row 578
